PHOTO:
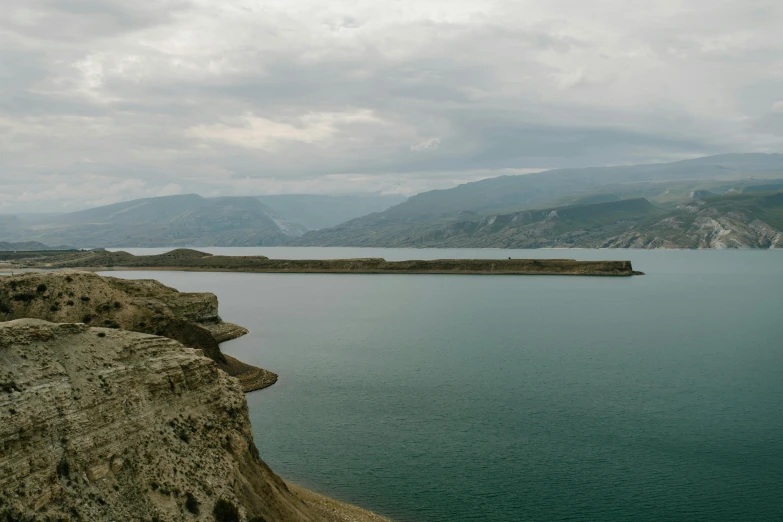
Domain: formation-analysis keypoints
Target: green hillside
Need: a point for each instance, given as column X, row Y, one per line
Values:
column 663, row 185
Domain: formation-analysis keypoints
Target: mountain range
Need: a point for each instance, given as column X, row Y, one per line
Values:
column 192, row 220
column 724, row 201
column 712, row 202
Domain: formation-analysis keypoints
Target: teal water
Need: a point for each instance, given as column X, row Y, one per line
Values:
column 500, row 398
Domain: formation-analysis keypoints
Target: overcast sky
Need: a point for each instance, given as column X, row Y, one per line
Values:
column 109, row 100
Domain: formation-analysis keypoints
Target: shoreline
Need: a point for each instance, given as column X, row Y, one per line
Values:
column 332, row 510
column 342, row 271
column 253, row 378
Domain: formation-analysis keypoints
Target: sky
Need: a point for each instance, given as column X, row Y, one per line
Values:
column 110, row 100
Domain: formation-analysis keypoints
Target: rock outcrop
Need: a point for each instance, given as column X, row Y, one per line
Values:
column 145, row 306
column 106, row 424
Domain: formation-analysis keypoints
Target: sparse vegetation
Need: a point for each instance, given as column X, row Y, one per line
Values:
column 24, row 297
column 40, row 288
column 225, row 511
column 63, row 468
column 183, row 435
column 8, row 386
column 87, row 319
column 192, row 504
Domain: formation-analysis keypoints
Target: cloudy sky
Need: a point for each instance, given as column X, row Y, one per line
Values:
column 109, row 100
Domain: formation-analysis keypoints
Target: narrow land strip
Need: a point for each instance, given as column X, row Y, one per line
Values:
column 193, row 260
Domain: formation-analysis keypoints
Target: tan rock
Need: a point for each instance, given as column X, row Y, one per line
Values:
column 104, row 424
column 145, row 306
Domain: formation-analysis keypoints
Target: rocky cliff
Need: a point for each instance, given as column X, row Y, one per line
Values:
column 105, row 424
column 145, row 306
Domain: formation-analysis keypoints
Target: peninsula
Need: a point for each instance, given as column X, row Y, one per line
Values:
column 193, row 260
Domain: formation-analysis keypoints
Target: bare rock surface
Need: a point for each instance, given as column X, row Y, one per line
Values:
column 145, row 306
column 106, row 424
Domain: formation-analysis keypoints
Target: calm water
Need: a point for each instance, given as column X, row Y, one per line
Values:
column 451, row 398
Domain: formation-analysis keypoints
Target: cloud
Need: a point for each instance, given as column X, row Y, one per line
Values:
column 266, row 134
column 430, row 144
column 226, row 97
column 56, row 193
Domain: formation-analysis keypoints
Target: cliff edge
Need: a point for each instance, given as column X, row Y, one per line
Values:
column 104, row 424
column 145, row 306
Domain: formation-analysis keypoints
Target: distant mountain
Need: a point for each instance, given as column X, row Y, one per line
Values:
column 665, row 184
column 192, row 220
column 753, row 220
column 28, row 246
column 188, row 220
column 728, row 221
column 315, row 212
column 613, row 206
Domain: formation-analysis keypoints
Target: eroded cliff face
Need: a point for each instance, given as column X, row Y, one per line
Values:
column 139, row 305
column 106, row 424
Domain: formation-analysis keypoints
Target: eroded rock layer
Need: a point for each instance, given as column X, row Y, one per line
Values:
column 105, row 424
column 145, row 306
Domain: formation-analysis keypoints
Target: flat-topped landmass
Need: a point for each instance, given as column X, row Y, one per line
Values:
column 144, row 306
column 193, row 260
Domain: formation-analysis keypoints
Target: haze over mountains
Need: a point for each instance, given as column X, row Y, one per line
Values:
column 487, row 213
column 192, row 220
column 725, row 201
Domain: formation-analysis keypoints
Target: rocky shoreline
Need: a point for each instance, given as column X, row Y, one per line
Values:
column 330, row 510
column 109, row 424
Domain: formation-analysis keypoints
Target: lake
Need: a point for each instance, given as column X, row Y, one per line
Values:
column 502, row 398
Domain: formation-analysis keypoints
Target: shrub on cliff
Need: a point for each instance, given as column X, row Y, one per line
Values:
column 225, row 511
column 192, row 504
